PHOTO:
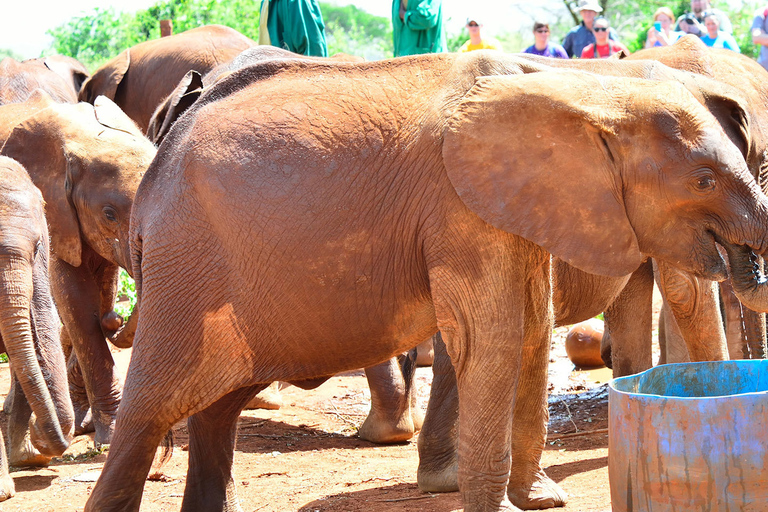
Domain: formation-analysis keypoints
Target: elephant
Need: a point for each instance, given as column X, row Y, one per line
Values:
column 391, row 199
column 19, row 79
column 745, row 329
column 87, row 161
column 29, row 330
column 394, row 416
column 141, row 77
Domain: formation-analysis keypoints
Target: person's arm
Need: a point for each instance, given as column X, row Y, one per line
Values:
column 568, row 44
column 423, row 15
column 758, row 34
column 588, row 52
column 730, row 43
column 560, row 51
column 305, row 31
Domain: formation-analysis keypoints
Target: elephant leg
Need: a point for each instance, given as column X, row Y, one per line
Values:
column 212, row 434
column 269, row 398
column 693, row 328
column 674, row 347
column 486, row 352
column 628, row 324
column 83, row 418
column 7, row 487
column 78, row 291
column 663, row 336
column 754, row 328
column 734, row 327
column 529, row 487
column 22, row 451
column 439, row 437
column 391, row 419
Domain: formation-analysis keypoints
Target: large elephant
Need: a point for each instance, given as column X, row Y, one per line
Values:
column 57, row 75
column 87, row 161
column 385, row 201
column 141, row 77
column 29, row 329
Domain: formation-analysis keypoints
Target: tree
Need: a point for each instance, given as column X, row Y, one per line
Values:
column 97, row 37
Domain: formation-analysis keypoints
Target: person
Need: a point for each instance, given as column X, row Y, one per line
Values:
column 715, row 37
column 698, row 10
column 475, row 41
column 417, row 27
column 759, row 32
column 581, row 35
column 661, row 33
column 602, row 47
column 688, row 24
column 542, row 46
column 294, row 25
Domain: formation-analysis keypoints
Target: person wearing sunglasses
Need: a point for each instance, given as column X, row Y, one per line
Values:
column 602, row 47
column 542, row 46
column 582, row 35
column 477, row 42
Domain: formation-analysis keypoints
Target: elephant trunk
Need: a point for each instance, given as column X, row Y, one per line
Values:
column 749, row 283
column 16, row 330
column 123, row 336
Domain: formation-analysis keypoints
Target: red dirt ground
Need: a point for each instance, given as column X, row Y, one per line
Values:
column 306, row 456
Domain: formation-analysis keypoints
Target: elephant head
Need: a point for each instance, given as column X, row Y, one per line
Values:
column 71, row 70
column 87, row 161
column 633, row 190
column 29, row 325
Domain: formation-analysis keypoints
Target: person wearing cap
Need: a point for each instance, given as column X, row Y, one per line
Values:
column 417, row 27
column 294, row 25
column 476, row 42
column 542, row 46
column 661, row 33
column 603, row 47
column 582, row 35
column 699, row 10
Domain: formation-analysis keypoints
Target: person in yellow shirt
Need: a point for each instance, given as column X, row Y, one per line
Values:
column 476, row 42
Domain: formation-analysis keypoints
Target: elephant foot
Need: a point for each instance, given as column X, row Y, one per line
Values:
column 543, row 493
column 25, row 455
column 439, row 480
column 269, row 398
column 83, row 420
column 381, row 429
column 104, row 427
column 7, row 488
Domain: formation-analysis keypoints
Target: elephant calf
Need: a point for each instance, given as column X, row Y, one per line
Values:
column 29, row 329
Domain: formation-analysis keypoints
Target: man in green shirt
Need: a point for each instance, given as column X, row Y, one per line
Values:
column 417, row 27
column 294, row 25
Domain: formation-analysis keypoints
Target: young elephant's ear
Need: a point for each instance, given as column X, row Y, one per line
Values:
column 525, row 155
column 36, row 143
column 110, row 115
column 106, row 79
column 183, row 96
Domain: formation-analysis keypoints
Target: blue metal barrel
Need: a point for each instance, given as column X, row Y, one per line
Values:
column 690, row 437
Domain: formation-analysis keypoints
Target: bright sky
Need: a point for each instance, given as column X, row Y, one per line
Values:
column 24, row 22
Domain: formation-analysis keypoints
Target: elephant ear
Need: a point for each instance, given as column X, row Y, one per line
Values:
column 183, row 96
column 69, row 69
column 110, row 115
column 106, row 79
column 528, row 156
column 37, row 144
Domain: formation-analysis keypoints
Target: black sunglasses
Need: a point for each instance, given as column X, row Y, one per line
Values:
column 473, row 24
column 600, row 29
column 542, row 31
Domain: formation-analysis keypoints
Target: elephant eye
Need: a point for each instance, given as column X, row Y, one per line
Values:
column 110, row 214
column 38, row 247
column 704, row 181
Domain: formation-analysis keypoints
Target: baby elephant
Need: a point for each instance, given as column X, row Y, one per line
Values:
column 29, row 329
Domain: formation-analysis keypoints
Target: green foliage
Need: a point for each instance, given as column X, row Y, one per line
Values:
column 97, row 37
column 355, row 32
column 126, row 289
column 5, row 52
